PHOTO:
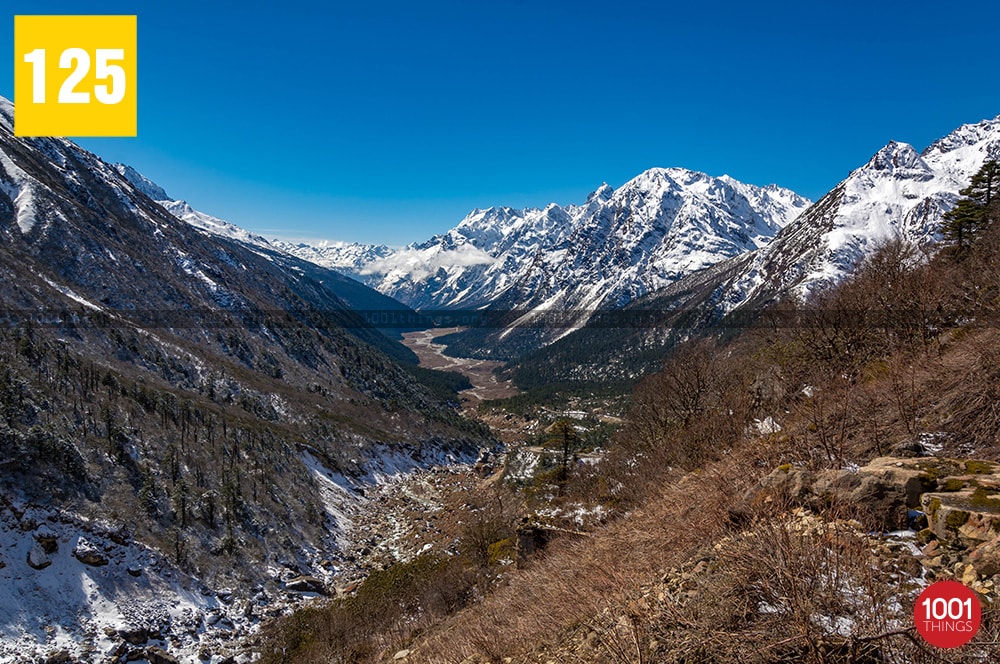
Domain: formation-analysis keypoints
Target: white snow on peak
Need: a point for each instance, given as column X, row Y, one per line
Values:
column 898, row 194
column 964, row 151
column 141, row 182
column 206, row 222
column 347, row 257
column 602, row 193
column 183, row 211
column 619, row 244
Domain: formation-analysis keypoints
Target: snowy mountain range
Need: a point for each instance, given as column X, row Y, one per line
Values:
column 660, row 230
column 898, row 194
column 618, row 245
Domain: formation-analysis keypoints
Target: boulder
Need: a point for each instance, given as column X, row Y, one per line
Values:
column 876, row 500
column 306, row 584
column 88, row 554
column 37, row 558
column 968, row 517
column 912, row 477
column 986, row 557
column 157, row 655
column 137, row 636
column 48, row 541
column 58, row 657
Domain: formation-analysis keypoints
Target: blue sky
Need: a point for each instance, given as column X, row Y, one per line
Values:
column 389, row 121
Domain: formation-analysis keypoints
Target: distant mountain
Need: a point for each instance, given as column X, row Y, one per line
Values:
column 618, row 245
column 357, row 296
column 898, row 194
column 350, row 258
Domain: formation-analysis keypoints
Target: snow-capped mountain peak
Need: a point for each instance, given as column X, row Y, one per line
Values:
column 602, row 193
column 620, row 243
column 900, row 159
column 898, row 194
column 142, row 183
column 965, row 150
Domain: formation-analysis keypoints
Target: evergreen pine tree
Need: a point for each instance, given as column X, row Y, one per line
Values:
column 974, row 211
column 563, row 435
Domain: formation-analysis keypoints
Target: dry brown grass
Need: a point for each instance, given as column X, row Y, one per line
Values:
column 576, row 578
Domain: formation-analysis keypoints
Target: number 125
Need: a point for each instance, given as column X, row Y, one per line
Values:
column 78, row 60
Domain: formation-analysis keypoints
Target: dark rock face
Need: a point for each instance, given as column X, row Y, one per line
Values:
column 136, row 636
column 157, row 655
column 48, row 541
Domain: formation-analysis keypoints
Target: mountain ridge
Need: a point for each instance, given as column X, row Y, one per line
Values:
column 507, row 257
column 165, row 389
column 898, row 194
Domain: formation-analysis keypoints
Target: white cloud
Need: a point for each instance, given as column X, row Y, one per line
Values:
column 419, row 264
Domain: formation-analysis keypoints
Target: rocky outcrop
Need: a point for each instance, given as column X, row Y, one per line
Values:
column 88, row 554
column 966, row 506
column 48, row 541
column 136, row 636
column 306, row 584
column 37, row 558
column 157, row 655
column 883, row 493
column 986, row 558
column 956, row 504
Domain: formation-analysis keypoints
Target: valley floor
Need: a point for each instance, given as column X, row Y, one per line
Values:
column 485, row 384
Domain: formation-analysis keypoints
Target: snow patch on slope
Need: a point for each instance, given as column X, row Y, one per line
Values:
column 83, row 608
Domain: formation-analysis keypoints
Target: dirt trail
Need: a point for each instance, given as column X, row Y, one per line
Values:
column 480, row 372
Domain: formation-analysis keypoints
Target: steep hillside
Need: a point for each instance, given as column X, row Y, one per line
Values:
column 364, row 300
column 183, row 396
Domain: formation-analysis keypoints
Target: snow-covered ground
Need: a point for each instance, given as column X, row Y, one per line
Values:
column 68, row 584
